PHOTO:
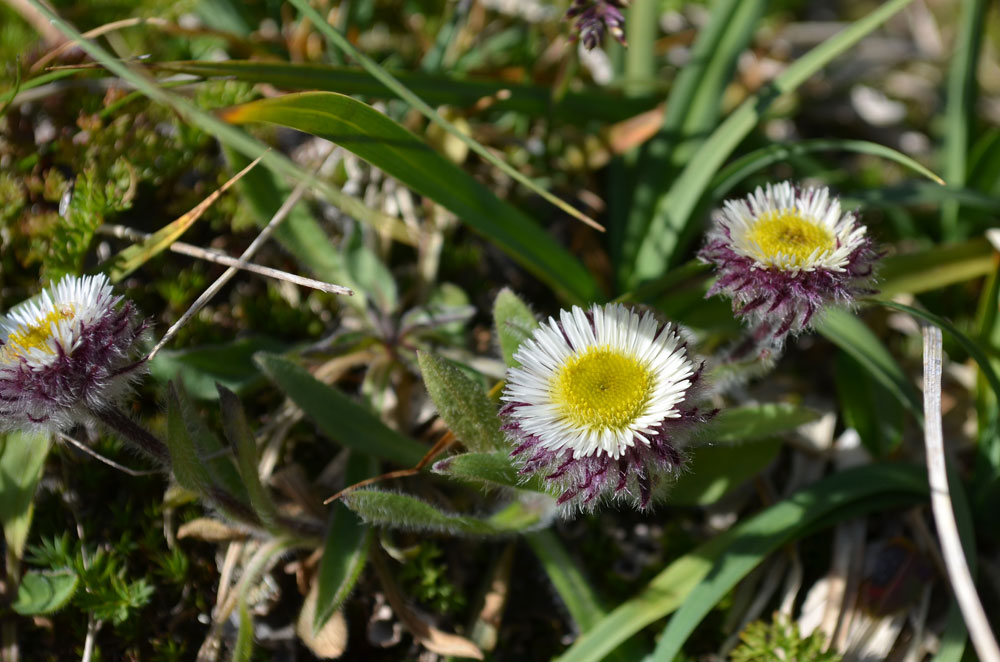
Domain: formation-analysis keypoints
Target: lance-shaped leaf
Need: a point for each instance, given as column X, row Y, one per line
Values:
column 713, row 471
column 389, row 146
column 185, row 461
column 339, row 417
column 514, row 323
column 241, row 439
column 488, row 468
column 462, row 404
column 345, row 551
column 851, row 335
column 189, row 442
column 200, row 368
column 756, row 422
column 22, row 457
column 406, row 512
column 243, row 651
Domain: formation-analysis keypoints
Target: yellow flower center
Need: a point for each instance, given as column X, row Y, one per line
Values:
column 602, row 388
column 788, row 233
column 22, row 341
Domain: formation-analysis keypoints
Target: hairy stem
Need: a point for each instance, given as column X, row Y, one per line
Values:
column 133, row 433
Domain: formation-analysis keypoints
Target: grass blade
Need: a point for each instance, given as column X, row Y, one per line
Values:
column 961, row 103
column 436, row 89
column 850, row 334
column 759, row 159
column 935, row 268
column 573, row 588
column 389, row 146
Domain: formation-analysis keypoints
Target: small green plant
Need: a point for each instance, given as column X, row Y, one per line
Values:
column 104, row 588
column 780, row 640
column 425, row 577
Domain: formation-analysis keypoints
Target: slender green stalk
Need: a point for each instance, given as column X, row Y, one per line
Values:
column 961, row 104
column 572, row 587
column 640, row 58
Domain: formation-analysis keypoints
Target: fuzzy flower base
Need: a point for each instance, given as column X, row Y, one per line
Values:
column 784, row 254
column 66, row 354
column 599, row 404
column 583, row 483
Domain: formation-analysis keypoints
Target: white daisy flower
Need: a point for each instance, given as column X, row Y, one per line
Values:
column 783, row 253
column 597, row 400
column 66, row 354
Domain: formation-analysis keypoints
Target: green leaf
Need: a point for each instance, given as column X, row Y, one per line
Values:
column 392, row 148
column 462, row 404
column 370, row 276
column 514, row 323
column 22, row 458
column 987, row 471
column 963, row 87
column 199, row 369
column 488, row 468
column 243, row 651
column 868, row 407
column 741, row 168
column 345, row 551
column 756, row 421
column 409, row 513
column 573, row 588
column 671, row 228
column 339, row 417
column 696, row 581
column 935, row 268
column 713, row 471
column 185, row 461
column 849, row 333
column 921, row 193
column 244, row 445
column 189, row 442
column 45, row 592
column 438, row 90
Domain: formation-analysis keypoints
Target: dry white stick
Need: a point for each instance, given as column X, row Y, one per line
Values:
column 944, row 516
column 213, row 289
column 218, row 257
